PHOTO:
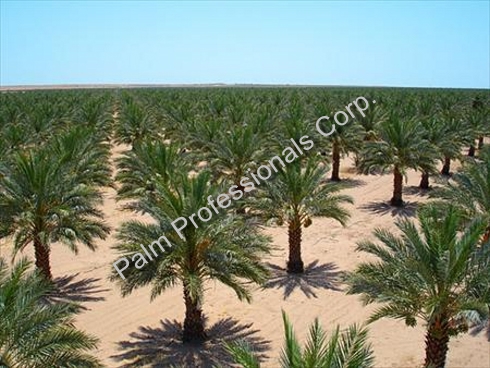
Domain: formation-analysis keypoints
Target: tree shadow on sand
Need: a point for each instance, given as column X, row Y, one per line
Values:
column 383, row 208
column 163, row 347
column 417, row 191
column 482, row 327
column 350, row 182
column 68, row 289
column 324, row 276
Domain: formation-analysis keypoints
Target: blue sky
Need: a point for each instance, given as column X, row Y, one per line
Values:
column 386, row 43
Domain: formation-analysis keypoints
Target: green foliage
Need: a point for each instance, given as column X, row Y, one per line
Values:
column 226, row 248
column 51, row 192
column 427, row 273
column 343, row 349
column 469, row 189
column 300, row 191
column 401, row 144
column 35, row 333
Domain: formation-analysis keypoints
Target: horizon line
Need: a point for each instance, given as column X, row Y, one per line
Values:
column 67, row 86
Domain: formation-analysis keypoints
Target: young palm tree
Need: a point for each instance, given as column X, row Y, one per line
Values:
column 225, row 248
column 346, row 349
column 298, row 192
column 451, row 143
column 96, row 113
column 232, row 153
column 401, row 146
column 469, row 189
column 436, row 274
column 373, row 116
column 137, row 168
column 347, row 138
column 437, row 133
column 34, row 333
column 50, row 195
column 135, row 123
column 451, row 112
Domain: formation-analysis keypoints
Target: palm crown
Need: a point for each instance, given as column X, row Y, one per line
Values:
column 33, row 332
column 346, row 349
column 434, row 273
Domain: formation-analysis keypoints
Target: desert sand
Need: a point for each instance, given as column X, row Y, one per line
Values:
column 133, row 326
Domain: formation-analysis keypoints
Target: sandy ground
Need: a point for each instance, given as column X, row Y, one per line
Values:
column 133, row 326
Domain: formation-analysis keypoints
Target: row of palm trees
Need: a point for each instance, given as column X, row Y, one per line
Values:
column 49, row 193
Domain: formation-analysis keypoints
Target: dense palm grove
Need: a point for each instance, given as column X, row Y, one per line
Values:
column 184, row 145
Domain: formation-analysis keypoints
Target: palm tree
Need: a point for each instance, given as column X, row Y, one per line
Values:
column 135, row 123
column 226, row 248
column 451, row 110
column 137, row 168
column 346, row 349
column 438, row 133
column 372, row 117
column 452, row 140
column 469, row 189
column 33, row 332
column 297, row 193
column 50, row 195
column 346, row 139
column 434, row 274
column 401, row 146
column 233, row 153
column 95, row 112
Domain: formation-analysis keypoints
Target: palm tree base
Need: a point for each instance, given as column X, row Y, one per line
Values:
column 397, row 202
column 424, row 182
column 296, row 267
column 194, row 337
column 194, row 332
column 446, row 167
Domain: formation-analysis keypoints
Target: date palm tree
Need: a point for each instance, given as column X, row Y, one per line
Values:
column 342, row 349
column 469, row 189
column 438, row 133
column 50, row 195
column 453, row 139
column 347, row 138
column 235, row 151
column 225, row 248
column 298, row 192
column 135, row 123
column 34, row 333
column 137, row 168
column 401, row 146
column 436, row 274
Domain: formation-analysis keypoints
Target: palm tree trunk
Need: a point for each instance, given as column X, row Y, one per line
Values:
column 436, row 344
column 240, row 210
column 471, row 151
column 397, row 199
column 335, row 162
column 486, row 236
column 41, row 253
column 446, row 167
column 194, row 321
column 480, row 142
column 295, row 263
column 424, row 181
